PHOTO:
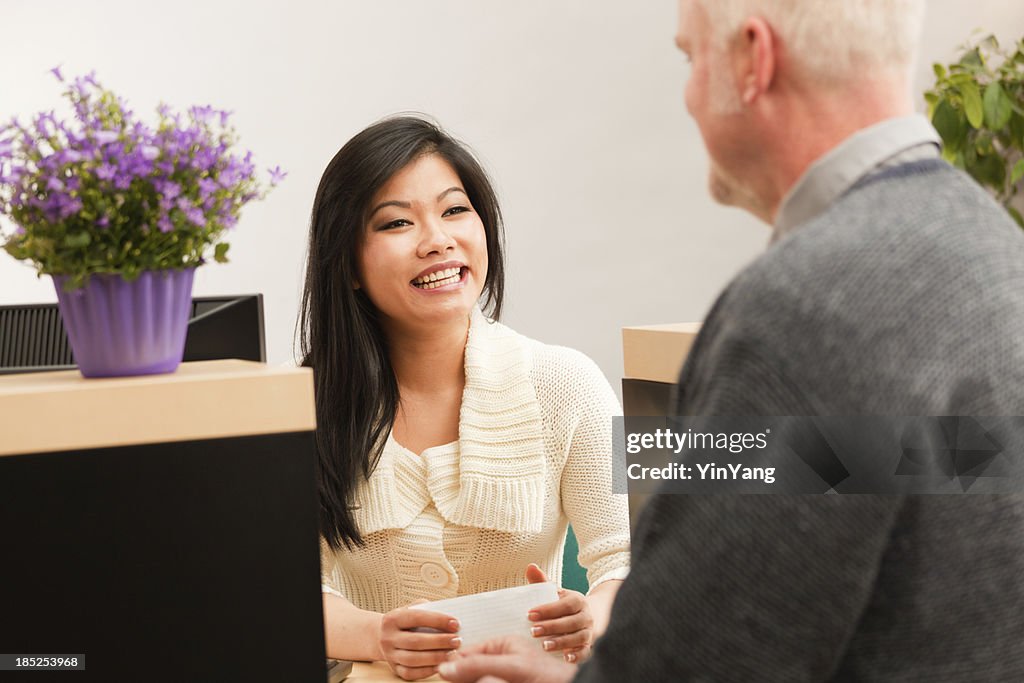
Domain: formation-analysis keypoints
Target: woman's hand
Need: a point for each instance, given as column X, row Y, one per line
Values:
column 413, row 654
column 565, row 624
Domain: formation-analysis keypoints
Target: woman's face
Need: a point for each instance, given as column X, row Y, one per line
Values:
column 423, row 261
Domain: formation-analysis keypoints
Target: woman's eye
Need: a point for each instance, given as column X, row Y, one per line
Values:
column 454, row 210
column 397, row 223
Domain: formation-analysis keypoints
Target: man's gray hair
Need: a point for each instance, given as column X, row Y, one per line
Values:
column 832, row 39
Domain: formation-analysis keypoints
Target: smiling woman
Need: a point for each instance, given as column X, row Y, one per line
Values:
column 424, row 255
column 453, row 452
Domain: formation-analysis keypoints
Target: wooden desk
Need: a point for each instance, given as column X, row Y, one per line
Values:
column 376, row 671
column 58, row 411
column 655, row 353
column 652, row 357
column 165, row 527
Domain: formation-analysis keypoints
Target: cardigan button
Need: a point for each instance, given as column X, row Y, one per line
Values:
column 434, row 575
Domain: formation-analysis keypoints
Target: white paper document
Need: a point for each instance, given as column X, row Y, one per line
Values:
column 497, row 613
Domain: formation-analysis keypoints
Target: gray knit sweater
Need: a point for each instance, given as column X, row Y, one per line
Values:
column 906, row 297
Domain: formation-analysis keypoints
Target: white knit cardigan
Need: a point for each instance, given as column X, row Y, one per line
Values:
column 534, row 453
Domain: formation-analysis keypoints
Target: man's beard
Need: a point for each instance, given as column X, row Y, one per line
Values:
column 722, row 186
column 723, row 93
column 728, row 190
column 725, row 188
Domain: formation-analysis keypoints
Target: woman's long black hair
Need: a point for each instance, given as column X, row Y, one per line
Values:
column 339, row 328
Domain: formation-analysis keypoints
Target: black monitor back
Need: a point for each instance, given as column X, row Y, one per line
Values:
column 32, row 336
column 170, row 562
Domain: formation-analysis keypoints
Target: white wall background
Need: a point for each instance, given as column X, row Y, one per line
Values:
column 574, row 106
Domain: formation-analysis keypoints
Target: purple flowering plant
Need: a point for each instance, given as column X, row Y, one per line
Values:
column 105, row 193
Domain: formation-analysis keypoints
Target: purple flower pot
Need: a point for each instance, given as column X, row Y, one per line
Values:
column 118, row 328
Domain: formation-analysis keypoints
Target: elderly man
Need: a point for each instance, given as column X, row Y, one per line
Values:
column 893, row 286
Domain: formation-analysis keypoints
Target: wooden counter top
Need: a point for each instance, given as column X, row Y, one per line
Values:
column 53, row 411
column 656, row 352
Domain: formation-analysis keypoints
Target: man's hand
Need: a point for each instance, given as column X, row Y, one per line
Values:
column 412, row 654
column 566, row 624
column 506, row 660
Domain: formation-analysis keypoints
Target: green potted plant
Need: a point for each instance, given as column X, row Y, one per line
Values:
column 977, row 106
column 120, row 214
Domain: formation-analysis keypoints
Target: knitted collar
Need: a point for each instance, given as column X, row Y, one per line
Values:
column 493, row 477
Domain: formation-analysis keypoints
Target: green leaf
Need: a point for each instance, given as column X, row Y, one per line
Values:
column 989, row 170
column 983, row 143
column 1017, row 173
column 940, row 71
column 1016, row 215
column 998, row 108
column 950, row 124
column 1017, row 130
column 971, row 58
column 972, row 104
column 220, row 252
column 77, row 240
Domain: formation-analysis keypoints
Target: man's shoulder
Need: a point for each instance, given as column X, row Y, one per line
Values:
column 915, row 225
column 866, row 292
column 901, row 211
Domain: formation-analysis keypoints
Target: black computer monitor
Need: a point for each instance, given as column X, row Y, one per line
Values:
column 32, row 336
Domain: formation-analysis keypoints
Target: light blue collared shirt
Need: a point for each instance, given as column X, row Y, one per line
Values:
column 889, row 143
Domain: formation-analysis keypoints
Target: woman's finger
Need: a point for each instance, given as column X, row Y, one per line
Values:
column 570, row 603
column 556, row 627
column 534, row 574
column 405, row 619
column 576, row 655
column 413, row 673
column 410, row 640
column 418, row 658
column 570, row 641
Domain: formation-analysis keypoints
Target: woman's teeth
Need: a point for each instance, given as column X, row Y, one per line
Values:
column 440, row 278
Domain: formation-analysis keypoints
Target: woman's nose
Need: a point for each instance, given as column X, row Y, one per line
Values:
column 435, row 238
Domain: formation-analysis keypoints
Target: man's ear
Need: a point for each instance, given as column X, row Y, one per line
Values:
column 756, row 52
